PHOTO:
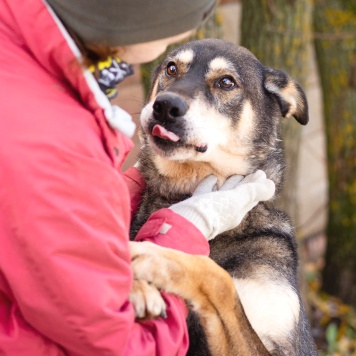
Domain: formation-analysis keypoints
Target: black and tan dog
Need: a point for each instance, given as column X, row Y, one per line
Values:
column 215, row 109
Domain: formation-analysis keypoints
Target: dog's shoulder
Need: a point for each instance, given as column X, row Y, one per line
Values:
column 265, row 239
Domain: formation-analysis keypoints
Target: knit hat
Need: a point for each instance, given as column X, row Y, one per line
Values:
column 125, row 22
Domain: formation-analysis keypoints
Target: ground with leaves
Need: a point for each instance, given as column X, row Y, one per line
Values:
column 333, row 322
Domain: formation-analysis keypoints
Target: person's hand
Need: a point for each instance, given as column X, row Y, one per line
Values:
column 216, row 211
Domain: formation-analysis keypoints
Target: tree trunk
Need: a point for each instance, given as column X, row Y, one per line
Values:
column 335, row 41
column 278, row 32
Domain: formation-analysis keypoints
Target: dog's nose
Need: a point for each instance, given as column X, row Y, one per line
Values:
column 169, row 106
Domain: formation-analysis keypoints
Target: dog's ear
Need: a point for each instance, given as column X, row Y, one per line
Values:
column 289, row 94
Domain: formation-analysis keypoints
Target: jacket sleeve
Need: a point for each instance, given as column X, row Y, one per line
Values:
column 168, row 229
column 136, row 186
column 66, row 217
column 164, row 227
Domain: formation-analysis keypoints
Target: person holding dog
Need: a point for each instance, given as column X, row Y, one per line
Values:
column 65, row 207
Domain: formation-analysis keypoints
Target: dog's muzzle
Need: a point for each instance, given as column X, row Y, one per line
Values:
column 168, row 109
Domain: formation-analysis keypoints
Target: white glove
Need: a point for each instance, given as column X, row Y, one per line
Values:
column 216, row 211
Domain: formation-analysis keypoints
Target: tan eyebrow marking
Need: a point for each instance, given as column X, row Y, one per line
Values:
column 185, row 56
column 220, row 63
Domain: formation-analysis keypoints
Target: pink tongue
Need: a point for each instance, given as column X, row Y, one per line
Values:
column 161, row 132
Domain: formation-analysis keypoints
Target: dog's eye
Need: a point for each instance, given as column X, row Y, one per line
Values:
column 226, row 83
column 171, row 69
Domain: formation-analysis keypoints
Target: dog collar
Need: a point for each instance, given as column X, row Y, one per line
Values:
column 109, row 73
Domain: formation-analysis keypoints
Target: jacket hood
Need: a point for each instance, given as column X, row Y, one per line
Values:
column 46, row 39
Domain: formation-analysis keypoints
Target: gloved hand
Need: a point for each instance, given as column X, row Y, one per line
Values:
column 216, row 211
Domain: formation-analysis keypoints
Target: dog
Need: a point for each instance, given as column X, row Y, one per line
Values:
column 213, row 108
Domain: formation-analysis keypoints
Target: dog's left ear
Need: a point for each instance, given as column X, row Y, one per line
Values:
column 289, row 94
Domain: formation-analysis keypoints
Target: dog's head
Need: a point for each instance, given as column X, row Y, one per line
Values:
column 214, row 108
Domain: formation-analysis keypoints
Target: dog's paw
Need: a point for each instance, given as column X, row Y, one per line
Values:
column 155, row 264
column 147, row 301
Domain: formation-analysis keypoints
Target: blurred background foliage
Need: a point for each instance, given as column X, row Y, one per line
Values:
column 335, row 44
column 282, row 34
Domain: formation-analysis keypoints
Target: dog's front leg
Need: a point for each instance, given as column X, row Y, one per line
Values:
column 207, row 288
column 146, row 300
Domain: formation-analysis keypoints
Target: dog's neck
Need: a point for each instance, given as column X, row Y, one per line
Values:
column 186, row 175
column 174, row 180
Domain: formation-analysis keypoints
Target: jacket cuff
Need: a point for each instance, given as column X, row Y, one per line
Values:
column 168, row 229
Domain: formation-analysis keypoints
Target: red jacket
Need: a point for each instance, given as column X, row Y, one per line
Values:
column 65, row 270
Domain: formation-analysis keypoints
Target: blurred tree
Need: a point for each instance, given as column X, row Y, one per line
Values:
column 278, row 32
column 335, row 41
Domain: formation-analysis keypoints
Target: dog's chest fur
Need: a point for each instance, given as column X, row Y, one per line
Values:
column 247, row 252
column 236, row 250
